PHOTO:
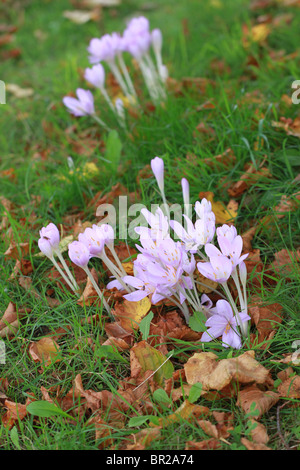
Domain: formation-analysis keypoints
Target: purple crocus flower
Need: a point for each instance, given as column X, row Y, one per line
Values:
column 137, row 37
column 92, row 240
column 223, row 322
column 95, row 75
column 159, row 225
column 105, row 49
column 79, row 254
column 83, row 106
column 51, row 234
column 218, row 268
column 230, row 243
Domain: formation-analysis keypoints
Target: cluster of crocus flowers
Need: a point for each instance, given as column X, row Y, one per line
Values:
column 171, row 254
column 144, row 46
column 90, row 244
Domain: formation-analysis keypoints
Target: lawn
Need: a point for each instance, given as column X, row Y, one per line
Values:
column 75, row 376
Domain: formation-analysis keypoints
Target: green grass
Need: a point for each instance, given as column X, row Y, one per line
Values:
column 35, row 140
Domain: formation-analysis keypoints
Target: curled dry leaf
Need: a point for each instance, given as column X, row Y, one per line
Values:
column 9, row 322
column 215, row 375
column 253, row 445
column 15, row 411
column 266, row 318
column 142, row 439
column 46, row 351
column 187, row 411
column 17, row 251
column 252, row 395
column 259, row 433
column 290, row 126
column 290, row 388
column 208, row 444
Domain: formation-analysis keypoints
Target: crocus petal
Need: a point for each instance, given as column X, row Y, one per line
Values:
column 136, row 296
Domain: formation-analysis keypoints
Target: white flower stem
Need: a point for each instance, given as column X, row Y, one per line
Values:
column 237, row 283
column 71, row 277
column 243, row 327
column 62, row 274
column 116, row 258
column 107, row 99
column 116, row 72
column 126, row 75
column 96, row 287
column 99, row 121
column 114, row 270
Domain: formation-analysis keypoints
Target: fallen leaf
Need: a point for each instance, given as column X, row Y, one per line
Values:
column 266, row 318
column 216, row 374
column 145, row 358
column 81, row 16
column 263, row 400
column 19, row 92
column 252, row 445
column 208, row 444
column 290, row 388
column 14, row 413
column 130, row 314
column 259, row 432
column 186, row 411
column 46, row 351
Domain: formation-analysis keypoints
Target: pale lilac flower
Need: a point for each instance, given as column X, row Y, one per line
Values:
column 195, row 235
column 137, row 37
column 50, row 233
column 231, row 245
column 83, row 106
column 45, row 247
column 223, row 322
column 92, row 240
column 79, row 254
column 159, row 225
column 218, row 268
column 95, row 75
column 104, row 49
column 106, row 232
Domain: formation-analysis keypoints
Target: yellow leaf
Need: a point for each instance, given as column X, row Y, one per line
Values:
column 144, row 357
column 223, row 214
column 130, row 314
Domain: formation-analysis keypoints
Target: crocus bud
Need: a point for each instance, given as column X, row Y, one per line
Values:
column 157, row 165
column 243, row 273
column 45, row 247
column 156, row 38
column 95, row 76
column 185, row 191
column 79, row 254
column 51, row 234
column 83, row 106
